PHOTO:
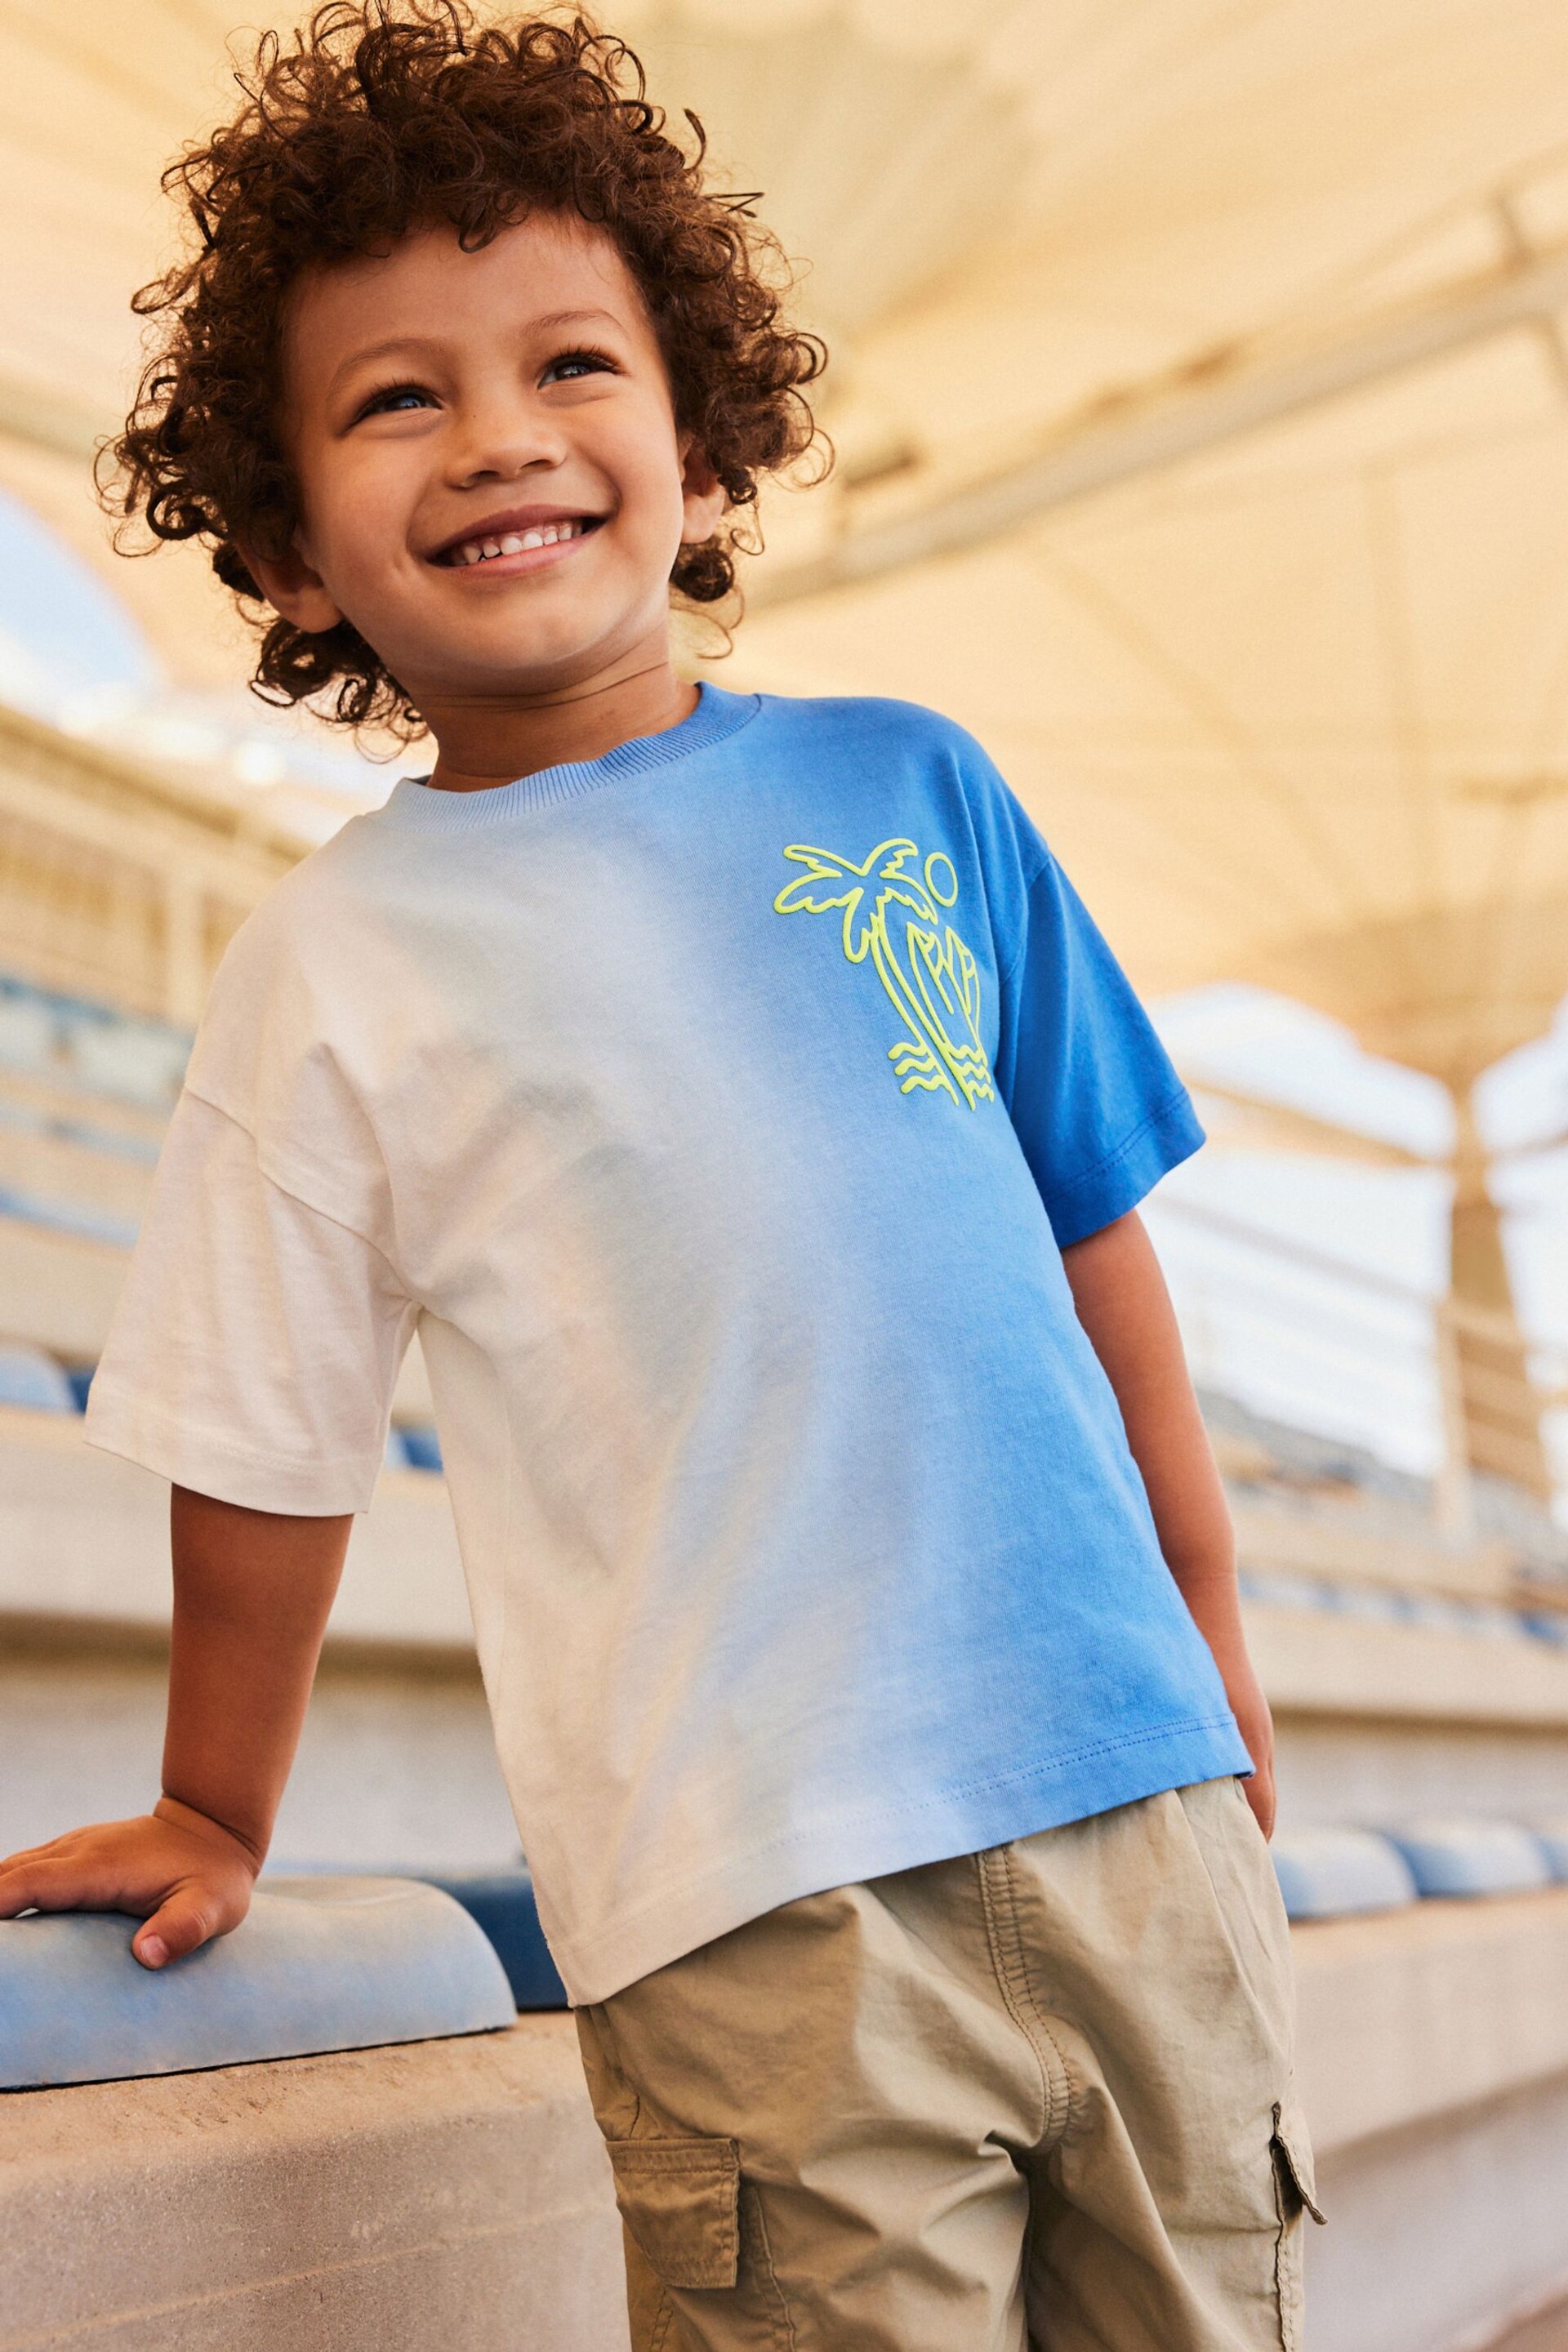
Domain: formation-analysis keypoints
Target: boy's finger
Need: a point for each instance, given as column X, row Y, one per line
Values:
column 1259, row 1794
column 14, row 1895
column 24, row 1853
column 33, row 1857
column 42, row 1886
column 185, row 1921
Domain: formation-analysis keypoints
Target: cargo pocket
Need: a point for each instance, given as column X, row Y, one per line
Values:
column 679, row 2199
column 1295, row 2193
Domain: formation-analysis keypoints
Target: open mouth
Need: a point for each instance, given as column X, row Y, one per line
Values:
column 489, row 547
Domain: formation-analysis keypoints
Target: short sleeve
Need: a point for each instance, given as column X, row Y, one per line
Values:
column 257, row 1342
column 1097, row 1106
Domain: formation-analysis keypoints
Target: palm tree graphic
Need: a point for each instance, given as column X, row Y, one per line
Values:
column 931, row 976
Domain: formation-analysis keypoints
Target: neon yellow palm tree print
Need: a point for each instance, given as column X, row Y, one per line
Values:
column 930, row 974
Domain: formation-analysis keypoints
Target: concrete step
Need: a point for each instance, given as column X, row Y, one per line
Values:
column 446, row 2194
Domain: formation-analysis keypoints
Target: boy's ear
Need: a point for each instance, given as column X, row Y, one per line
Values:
column 294, row 588
column 702, row 494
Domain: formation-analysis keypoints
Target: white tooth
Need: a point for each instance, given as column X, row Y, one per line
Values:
column 534, row 538
column 493, row 547
column 511, row 545
column 472, row 552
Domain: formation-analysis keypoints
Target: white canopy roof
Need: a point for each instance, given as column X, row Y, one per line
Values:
column 1202, row 418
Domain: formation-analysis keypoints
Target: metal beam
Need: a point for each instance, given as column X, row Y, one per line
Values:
column 1215, row 399
column 1269, row 1126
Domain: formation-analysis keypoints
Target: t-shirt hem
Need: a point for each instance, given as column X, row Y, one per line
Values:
column 208, row 1464
column 847, row 1850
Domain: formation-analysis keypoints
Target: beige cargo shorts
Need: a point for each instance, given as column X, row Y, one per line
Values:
column 1038, row 2096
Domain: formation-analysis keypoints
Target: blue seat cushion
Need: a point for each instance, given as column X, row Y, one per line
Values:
column 503, row 1903
column 1472, row 1857
column 1327, row 1873
column 318, row 1964
column 1553, row 1839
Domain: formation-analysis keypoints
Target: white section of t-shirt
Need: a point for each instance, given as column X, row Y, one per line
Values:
column 257, row 1342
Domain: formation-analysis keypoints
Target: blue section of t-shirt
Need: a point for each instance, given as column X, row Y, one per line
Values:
column 1064, row 1673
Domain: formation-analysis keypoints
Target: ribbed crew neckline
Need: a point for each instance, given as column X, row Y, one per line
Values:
column 415, row 803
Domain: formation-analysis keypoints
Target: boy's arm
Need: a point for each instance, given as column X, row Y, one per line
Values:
column 252, row 1591
column 1122, row 1303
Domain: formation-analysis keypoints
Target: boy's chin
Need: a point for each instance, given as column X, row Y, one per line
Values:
column 511, row 674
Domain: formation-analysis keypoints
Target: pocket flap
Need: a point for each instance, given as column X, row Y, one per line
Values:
column 1293, row 2153
column 680, row 2201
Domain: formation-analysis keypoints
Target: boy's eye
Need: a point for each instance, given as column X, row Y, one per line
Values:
column 396, row 398
column 568, row 365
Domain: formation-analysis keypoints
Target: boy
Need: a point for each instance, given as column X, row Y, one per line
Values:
column 736, row 1099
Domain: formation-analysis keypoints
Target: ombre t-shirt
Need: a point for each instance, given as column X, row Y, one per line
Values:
column 717, row 1112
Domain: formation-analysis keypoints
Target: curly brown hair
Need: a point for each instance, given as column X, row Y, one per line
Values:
column 380, row 116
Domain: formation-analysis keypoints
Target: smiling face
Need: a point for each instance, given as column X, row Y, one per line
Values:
column 492, row 485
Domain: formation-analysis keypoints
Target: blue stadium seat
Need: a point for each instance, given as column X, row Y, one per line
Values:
column 94, row 1046
column 1443, row 1615
column 1472, row 1857
column 30, row 1378
column 421, row 1448
column 412, row 1449
column 1553, row 1839
column 28, row 1029
column 1328, row 1874
column 134, row 1061
column 1286, row 1589
column 319, row 1964
column 1380, row 1604
column 62, row 1216
column 503, row 1903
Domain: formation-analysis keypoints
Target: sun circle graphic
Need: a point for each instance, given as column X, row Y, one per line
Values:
column 939, row 872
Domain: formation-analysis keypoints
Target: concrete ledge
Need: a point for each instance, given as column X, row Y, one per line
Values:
column 1315, row 1663
column 448, row 2194
column 1312, row 1543
column 1416, row 2013
column 91, row 1533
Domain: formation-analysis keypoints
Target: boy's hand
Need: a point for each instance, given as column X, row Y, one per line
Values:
column 252, row 1589
column 1256, row 1725
column 187, row 1876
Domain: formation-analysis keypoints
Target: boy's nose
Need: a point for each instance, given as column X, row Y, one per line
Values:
column 502, row 442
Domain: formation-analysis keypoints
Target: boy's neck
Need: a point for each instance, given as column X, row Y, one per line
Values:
column 484, row 742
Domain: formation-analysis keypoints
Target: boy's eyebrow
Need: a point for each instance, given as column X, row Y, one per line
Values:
column 575, row 319
column 412, row 344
